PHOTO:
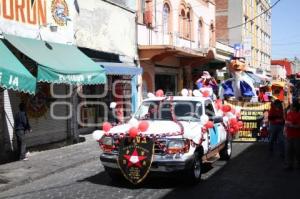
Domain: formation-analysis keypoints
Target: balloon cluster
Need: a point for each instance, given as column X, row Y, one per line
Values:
column 234, row 126
column 206, row 123
column 231, row 116
column 135, row 131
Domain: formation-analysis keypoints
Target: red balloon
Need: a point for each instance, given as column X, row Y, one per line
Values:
column 133, row 132
column 231, row 131
column 106, row 126
column 159, row 93
column 226, row 108
column 233, row 121
column 143, row 126
column 205, row 93
column 209, row 125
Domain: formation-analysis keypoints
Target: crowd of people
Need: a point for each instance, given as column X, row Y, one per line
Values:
column 284, row 132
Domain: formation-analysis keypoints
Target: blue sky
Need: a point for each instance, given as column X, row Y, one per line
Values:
column 286, row 29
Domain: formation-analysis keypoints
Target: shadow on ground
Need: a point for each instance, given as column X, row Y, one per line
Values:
column 254, row 173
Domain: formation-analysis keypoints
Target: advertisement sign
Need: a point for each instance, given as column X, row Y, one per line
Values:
column 49, row 20
column 247, row 47
column 252, row 114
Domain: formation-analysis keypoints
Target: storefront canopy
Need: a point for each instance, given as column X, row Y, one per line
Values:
column 13, row 75
column 59, row 63
column 112, row 68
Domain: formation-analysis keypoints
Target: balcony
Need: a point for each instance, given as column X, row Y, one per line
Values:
column 151, row 37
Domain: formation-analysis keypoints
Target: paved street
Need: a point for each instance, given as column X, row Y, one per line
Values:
column 252, row 173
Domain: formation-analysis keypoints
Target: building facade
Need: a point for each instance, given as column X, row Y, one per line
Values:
column 285, row 63
column 246, row 23
column 173, row 38
column 106, row 32
column 39, row 37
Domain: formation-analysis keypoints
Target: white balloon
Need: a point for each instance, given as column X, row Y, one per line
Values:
column 204, row 119
column 150, row 95
column 197, row 93
column 98, row 134
column 184, row 92
column 225, row 119
column 230, row 115
column 133, row 122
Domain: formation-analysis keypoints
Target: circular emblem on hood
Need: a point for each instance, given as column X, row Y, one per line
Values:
column 60, row 12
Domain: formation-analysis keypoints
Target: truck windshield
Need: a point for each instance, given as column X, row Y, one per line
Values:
column 165, row 110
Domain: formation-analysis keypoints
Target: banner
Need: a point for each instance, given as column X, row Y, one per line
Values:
column 252, row 114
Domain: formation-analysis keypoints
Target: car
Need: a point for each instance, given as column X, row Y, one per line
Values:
column 187, row 131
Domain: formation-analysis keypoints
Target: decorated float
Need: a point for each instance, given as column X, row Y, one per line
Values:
column 240, row 94
column 168, row 134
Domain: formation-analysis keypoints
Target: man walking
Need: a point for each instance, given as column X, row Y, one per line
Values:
column 21, row 126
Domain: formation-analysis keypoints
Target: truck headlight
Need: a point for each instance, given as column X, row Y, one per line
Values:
column 178, row 146
column 107, row 143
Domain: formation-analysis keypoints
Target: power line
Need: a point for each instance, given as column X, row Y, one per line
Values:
column 251, row 20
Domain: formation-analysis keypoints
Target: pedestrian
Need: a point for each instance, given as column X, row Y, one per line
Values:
column 276, row 126
column 293, row 136
column 21, row 127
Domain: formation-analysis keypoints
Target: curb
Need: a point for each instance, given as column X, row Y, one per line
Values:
column 28, row 180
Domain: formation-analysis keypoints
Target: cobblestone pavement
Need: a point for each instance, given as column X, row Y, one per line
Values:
column 251, row 173
column 44, row 163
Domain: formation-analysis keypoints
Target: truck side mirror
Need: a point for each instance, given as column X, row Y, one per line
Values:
column 217, row 119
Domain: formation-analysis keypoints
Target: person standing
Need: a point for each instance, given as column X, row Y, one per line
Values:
column 21, row 126
column 292, row 136
column 276, row 126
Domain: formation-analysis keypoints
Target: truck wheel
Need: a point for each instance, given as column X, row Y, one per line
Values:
column 194, row 173
column 225, row 153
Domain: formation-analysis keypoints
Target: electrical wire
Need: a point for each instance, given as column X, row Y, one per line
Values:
column 251, row 20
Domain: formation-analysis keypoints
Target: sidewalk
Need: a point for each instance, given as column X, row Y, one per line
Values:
column 44, row 163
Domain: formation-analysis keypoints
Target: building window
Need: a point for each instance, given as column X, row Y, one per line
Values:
column 200, row 34
column 166, row 19
column 182, row 23
column 189, row 22
column 211, row 35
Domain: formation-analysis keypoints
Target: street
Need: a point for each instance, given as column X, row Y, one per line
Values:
column 251, row 173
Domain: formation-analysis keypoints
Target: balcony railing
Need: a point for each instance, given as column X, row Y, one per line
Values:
column 154, row 37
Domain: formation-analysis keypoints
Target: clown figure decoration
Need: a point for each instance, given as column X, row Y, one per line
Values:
column 240, row 86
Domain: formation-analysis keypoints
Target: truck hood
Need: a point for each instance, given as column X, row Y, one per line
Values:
column 192, row 130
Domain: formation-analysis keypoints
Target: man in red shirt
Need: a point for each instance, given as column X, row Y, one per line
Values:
column 293, row 136
column 276, row 125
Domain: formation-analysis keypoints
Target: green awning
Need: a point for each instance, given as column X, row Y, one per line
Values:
column 13, row 75
column 59, row 63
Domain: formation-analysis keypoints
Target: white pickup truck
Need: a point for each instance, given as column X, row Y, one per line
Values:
column 181, row 139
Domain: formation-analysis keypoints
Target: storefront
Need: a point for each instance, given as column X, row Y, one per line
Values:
column 52, row 111
column 15, row 77
column 121, row 88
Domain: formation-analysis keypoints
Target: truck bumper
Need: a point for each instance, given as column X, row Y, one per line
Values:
column 166, row 163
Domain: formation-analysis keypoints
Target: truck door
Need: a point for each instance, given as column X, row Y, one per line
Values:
column 214, row 134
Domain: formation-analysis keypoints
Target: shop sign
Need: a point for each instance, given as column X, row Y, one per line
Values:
column 31, row 18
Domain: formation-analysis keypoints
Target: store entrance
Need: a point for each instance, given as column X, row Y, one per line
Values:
column 167, row 83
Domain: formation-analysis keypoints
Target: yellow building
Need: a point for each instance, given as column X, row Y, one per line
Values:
column 246, row 22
